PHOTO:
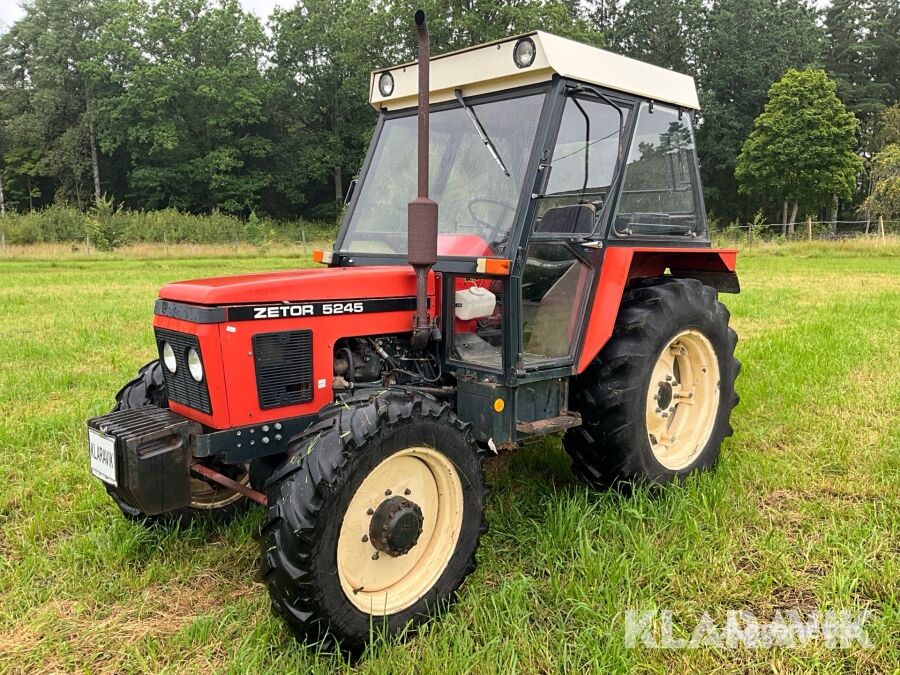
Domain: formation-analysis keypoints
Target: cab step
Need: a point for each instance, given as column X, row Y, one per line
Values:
column 551, row 425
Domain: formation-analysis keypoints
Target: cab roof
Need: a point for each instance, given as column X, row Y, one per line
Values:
column 490, row 67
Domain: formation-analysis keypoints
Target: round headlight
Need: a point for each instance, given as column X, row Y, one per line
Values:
column 386, row 84
column 194, row 364
column 524, row 52
column 169, row 357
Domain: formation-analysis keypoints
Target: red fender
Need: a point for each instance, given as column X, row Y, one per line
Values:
column 621, row 265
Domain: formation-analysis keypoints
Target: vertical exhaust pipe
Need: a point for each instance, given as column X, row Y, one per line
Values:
column 422, row 212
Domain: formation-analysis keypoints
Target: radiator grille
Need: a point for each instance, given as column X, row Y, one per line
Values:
column 283, row 368
column 180, row 386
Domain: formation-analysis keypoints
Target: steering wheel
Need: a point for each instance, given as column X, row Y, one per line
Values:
column 486, row 228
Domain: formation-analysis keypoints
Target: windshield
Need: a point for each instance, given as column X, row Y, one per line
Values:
column 477, row 200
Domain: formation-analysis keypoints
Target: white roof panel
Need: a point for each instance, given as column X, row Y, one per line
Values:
column 490, row 67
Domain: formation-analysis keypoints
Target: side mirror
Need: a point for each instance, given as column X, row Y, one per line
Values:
column 571, row 219
column 350, row 190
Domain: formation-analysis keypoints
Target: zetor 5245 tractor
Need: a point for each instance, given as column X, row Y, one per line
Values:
column 565, row 285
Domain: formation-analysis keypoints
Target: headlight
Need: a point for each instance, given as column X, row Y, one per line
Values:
column 386, row 84
column 194, row 364
column 524, row 52
column 169, row 357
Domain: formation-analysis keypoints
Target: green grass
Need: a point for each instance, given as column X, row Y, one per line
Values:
column 802, row 512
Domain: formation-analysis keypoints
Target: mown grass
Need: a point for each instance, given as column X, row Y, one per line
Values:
column 803, row 511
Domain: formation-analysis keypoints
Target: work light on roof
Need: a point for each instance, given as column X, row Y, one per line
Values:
column 524, row 52
column 386, row 84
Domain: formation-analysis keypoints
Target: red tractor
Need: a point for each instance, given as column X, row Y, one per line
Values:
column 566, row 285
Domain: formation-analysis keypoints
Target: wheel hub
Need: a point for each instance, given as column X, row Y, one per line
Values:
column 664, row 396
column 395, row 526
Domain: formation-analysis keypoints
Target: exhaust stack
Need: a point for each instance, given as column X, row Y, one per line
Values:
column 422, row 213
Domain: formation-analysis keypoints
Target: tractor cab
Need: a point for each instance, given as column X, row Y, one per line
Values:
column 543, row 154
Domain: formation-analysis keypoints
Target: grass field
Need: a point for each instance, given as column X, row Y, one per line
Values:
column 803, row 511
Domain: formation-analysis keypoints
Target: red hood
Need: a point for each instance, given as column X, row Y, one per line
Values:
column 330, row 283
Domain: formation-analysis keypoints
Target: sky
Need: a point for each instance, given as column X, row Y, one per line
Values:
column 10, row 11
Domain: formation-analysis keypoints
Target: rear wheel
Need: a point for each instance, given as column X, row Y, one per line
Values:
column 656, row 403
column 208, row 500
column 374, row 520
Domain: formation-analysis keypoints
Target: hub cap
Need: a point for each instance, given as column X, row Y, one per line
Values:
column 400, row 530
column 682, row 399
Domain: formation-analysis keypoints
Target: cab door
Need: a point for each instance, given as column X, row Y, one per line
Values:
column 562, row 258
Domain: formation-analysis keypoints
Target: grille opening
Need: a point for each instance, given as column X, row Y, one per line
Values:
column 283, row 368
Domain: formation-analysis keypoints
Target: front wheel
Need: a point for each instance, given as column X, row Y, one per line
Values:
column 374, row 520
column 657, row 401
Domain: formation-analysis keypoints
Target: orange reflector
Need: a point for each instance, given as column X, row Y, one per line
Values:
column 323, row 257
column 498, row 266
column 499, row 405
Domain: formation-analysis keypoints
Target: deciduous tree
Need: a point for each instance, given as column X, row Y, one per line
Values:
column 802, row 147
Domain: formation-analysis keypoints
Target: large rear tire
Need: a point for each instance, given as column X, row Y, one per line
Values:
column 374, row 520
column 657, row 401
column 209, row 501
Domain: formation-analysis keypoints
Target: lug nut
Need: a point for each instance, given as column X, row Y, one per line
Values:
column 370, row 512
column 407, row 492
column 375, row 555
column 387, row 493
column 365, row 538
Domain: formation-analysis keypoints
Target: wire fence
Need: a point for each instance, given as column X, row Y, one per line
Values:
column 811, row 230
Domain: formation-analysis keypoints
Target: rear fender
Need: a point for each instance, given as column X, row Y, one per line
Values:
column 623, row 265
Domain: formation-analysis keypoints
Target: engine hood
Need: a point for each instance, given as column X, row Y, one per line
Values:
column 333, row 283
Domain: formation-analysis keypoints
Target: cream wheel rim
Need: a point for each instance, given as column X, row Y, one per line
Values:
column 683, row 399
column 380, row 583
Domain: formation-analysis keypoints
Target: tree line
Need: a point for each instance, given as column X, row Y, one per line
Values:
column 196, row 105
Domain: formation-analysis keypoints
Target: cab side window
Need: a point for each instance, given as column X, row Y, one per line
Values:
column 582, row 167
column 660, row 189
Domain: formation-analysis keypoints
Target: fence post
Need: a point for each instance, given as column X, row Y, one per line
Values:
column 749, row 235
column 881, row 228
column 809, row 227
column 303, row 238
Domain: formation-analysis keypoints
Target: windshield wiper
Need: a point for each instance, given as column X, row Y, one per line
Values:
column 480, row 129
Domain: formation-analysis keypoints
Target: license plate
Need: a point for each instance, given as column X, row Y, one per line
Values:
column 103, row 456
